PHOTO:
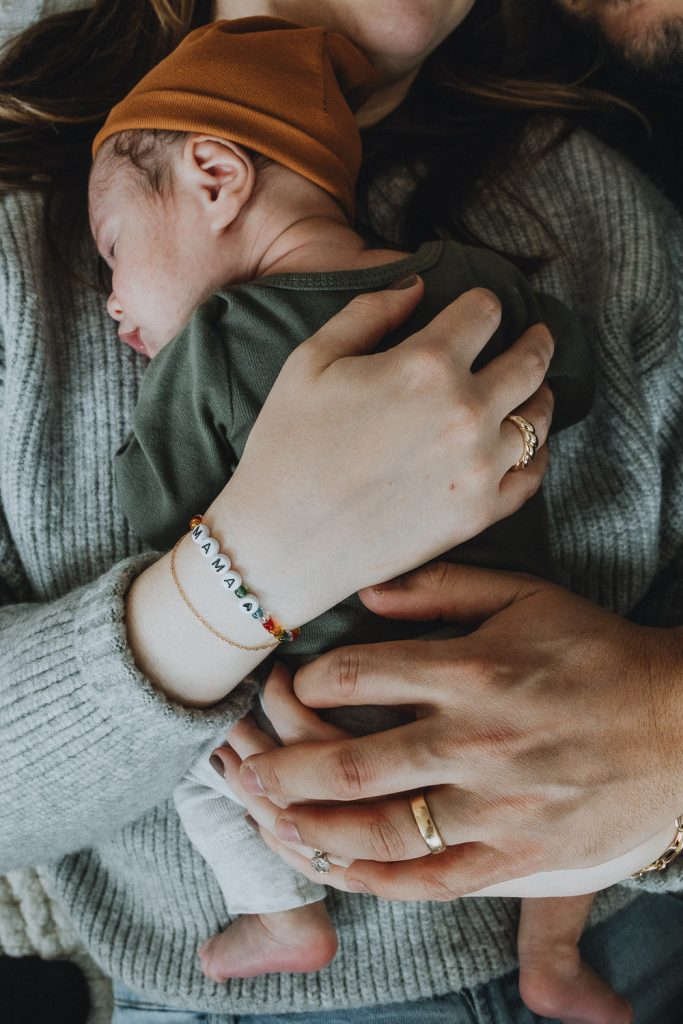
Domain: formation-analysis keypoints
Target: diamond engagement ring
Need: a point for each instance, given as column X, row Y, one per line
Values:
column 529, row 439
column 320, row 862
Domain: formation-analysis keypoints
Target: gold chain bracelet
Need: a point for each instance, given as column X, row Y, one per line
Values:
column 225, row 639
column 672, row 851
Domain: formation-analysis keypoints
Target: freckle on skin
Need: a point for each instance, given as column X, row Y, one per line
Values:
column 452, row 486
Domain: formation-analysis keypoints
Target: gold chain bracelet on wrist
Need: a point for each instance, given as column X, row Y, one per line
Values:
column 225, row 639
column 672, row 851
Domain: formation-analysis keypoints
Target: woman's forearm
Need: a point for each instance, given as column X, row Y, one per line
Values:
column 329, row 496
column 176, row 651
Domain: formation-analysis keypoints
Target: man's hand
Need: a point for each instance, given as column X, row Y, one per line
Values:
column 548, row 739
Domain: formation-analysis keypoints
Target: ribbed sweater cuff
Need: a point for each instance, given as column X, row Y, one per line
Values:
column 89, row 743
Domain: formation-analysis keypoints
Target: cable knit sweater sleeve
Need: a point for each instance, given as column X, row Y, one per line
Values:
column 88, row 744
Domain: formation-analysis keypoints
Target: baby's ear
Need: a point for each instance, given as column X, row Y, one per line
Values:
column 221, row 175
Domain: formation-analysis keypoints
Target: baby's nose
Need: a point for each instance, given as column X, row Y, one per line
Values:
column 114, row 308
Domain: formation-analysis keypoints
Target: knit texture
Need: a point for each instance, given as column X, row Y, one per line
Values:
column 16, row 15
column 91, row 752
column 33, row 923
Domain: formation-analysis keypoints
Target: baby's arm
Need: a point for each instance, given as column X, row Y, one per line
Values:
column 177, row 458
column 252, row 878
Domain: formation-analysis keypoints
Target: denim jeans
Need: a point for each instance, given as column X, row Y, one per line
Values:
column 639, row 950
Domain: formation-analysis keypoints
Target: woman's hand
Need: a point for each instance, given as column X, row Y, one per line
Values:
column 346, row 454
column 548, row 740
column 350, row 448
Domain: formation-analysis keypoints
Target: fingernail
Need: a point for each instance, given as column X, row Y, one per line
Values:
column 251, row 822
column 250, row 780
column 388, row 585
column 217, row 765
column 490, row 302
column 543, row 328
column 355, row 885
column 287, row 830
column 403, row 282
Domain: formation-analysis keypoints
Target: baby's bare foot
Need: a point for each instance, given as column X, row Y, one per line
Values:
column 562, row 986
column 299, row 940
column 553, row 979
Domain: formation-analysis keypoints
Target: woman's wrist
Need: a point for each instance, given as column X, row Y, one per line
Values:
column 179, row 650
column 189, row 636
column 279, row 564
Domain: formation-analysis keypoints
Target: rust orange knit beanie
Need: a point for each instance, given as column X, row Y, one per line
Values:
column 281, row 89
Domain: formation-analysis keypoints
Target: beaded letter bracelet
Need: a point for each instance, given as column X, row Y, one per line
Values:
column 231, row 580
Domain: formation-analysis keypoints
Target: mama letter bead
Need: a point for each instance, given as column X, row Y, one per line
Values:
column 221, row 563
column 249, row 603
column 200, row 533
column 209, row 547
column 231, row 580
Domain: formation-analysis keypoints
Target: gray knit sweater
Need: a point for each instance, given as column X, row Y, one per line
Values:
column 90, row 752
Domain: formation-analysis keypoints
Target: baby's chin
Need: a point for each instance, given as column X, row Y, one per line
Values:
column 153, row 341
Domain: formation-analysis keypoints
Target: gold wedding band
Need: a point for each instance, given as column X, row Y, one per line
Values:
column 529, row 439
column 425, row 823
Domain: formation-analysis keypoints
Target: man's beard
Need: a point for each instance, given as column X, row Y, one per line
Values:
column 654, row 49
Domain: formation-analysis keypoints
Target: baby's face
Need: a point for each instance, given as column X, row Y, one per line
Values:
column 160, row 260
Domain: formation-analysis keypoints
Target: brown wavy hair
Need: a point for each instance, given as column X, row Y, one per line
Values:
column 467, row 110
column 510, row 64
column 60, row 78
column 58, row 81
